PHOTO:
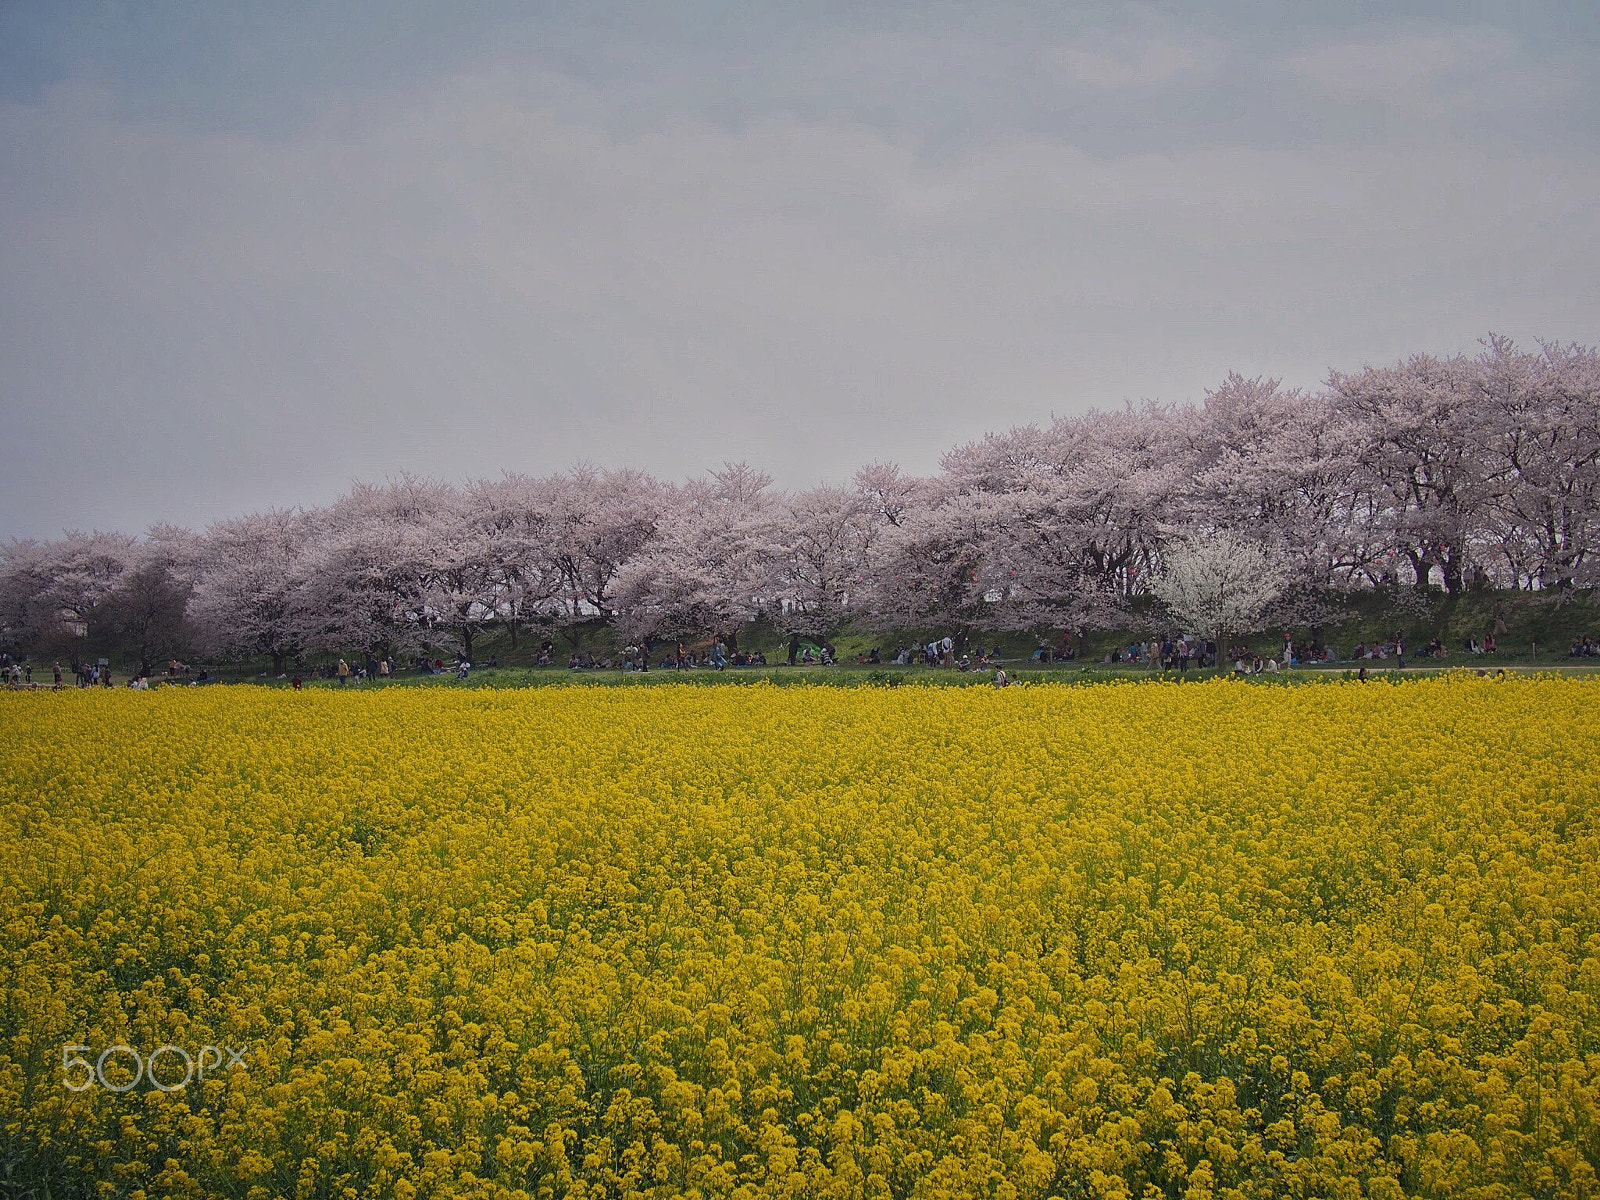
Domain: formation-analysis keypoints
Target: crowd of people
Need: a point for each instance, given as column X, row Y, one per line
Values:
column 18, row 675
column 1172, row 653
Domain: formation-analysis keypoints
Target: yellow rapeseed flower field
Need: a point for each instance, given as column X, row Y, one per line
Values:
column 1200, row 940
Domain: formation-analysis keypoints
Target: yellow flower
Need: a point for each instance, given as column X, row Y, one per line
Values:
column 1187, row 939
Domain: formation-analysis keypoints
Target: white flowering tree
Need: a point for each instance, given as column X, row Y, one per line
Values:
column 817, row 551
column 144, row 615
column 53, row 594
column 1218, row 584
column 369, row 566
column 1474, row 470
column 514, row 515
column 247, row 601
column 704, row 571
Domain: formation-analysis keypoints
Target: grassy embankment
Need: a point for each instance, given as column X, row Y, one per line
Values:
column 1537, row 630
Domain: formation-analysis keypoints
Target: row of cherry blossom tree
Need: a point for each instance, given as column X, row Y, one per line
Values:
column 1459, row 472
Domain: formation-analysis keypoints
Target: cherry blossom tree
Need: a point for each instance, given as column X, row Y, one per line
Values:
column 1083, row 510
column 705, row 570
column 601, row 520
column 368, row 569
column 249, row 598
column 1417, row 436
column 514, row 516
column 893, row 495
column 461, row 579
column 930, row 570
column 1218, row 584
column 53, row 593
column 818, row 552
column 144, row 612
column 1284, row 464
column 1482, row 470
column 24, row 579
column 1541, row 435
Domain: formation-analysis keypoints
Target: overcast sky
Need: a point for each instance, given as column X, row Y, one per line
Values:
column 251, row 252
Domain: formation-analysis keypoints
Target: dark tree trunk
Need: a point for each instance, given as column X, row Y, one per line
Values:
column 1454, row 571
column 277, row 664
column 466, row 642
column 1421, row 567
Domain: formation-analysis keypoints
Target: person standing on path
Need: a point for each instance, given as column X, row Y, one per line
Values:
column 343, row 672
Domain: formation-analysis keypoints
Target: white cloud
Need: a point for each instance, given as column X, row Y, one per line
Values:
column 1435, row 72
column 466, row 279
column 1136, row 63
